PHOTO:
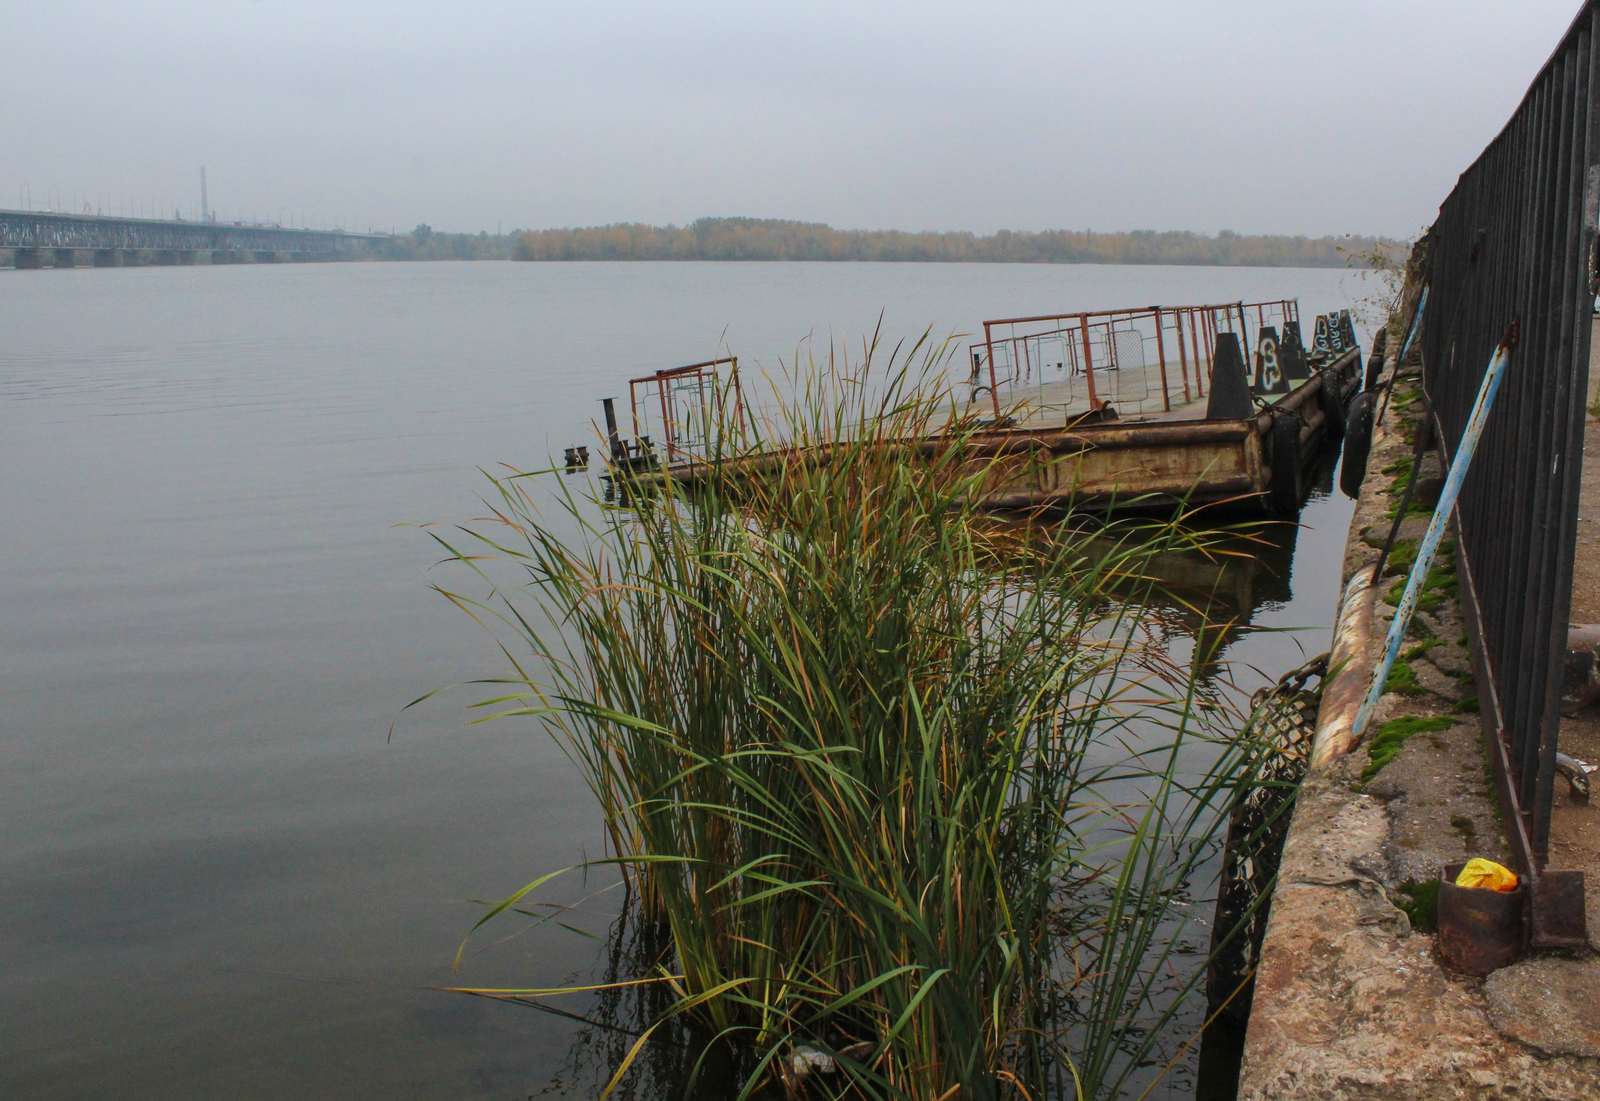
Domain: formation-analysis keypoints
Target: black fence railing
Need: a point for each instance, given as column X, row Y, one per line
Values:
column 1514, row 244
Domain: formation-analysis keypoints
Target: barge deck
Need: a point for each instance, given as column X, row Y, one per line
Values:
column 1112, row 411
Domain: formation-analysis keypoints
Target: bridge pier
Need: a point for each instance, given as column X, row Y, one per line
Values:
column 66, row 258
column 263, row 257
column 107, row 258
column 27, row 259
column 183, row 256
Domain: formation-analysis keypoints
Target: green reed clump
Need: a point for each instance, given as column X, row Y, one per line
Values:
column 903, row 785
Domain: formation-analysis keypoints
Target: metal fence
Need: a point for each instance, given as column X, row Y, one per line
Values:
column 1143, row 360
column 685, row 406
column 1514, row 245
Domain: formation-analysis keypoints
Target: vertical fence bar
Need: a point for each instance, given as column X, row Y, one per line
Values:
column 1088, row 361
column 1183, row 358
column 666, row 417
column 1194, row 343
column 1161, row 358
column 994, row 385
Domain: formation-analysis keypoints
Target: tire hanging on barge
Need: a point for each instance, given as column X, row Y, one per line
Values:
column 1357, row 443
column 1284, row 487
column 1332, row 406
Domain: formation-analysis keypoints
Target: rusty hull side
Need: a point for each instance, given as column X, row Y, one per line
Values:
column 1153, row 464
column 1106, row 464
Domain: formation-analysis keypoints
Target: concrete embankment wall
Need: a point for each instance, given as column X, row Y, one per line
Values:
column 1351, row 1000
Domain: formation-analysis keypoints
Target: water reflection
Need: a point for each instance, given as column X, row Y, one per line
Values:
column 678, row 1060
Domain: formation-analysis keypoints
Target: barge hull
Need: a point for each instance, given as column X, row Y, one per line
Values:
column 1155, row 464
column 1127, row 466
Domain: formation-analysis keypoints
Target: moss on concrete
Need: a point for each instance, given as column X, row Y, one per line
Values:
column 1392, row 735
column 1401, row 556
column 1439, row 585
column 1420, row 903
column 1402, row 679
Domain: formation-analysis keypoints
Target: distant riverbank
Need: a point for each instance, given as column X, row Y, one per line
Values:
column 775, row 239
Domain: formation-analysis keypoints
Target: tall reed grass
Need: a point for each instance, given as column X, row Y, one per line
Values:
column 900, row 784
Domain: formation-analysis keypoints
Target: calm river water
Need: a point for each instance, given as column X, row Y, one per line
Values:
column 220, row 877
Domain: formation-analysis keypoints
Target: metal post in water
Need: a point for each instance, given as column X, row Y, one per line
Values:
column 613, row 437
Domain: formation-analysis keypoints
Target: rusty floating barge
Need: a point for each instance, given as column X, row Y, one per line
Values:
column 1110, row 410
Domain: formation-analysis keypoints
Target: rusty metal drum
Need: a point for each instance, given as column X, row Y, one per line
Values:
column 1480, row 930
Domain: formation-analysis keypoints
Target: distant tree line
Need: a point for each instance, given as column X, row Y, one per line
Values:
column 427, row 243
column 775, row 239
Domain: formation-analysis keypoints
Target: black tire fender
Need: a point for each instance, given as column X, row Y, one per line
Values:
column 1357, row 443
column 1284, row 488
column 1332, row 409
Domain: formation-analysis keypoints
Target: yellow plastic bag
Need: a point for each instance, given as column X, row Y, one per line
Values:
column 1486, row 874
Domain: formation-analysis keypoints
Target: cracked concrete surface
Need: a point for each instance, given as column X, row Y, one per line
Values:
column 1351, row 1003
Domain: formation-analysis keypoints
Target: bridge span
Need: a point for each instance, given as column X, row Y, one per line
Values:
column 38, row 239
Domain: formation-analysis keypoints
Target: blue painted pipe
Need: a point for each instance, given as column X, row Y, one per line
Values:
column 1430, row 542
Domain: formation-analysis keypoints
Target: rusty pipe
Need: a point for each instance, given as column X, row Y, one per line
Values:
column 1349, row 671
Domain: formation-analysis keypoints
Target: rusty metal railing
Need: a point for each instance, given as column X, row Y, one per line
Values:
column 1514, row 244
column 687, row 406
column 1142, row 360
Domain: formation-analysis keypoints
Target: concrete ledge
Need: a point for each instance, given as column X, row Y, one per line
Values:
column 1350, row 1000
column 1351, row 1003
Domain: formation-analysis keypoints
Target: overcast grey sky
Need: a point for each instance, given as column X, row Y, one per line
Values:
column 1287, row 116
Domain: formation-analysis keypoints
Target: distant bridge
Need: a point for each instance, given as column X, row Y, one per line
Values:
column 62, row 240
